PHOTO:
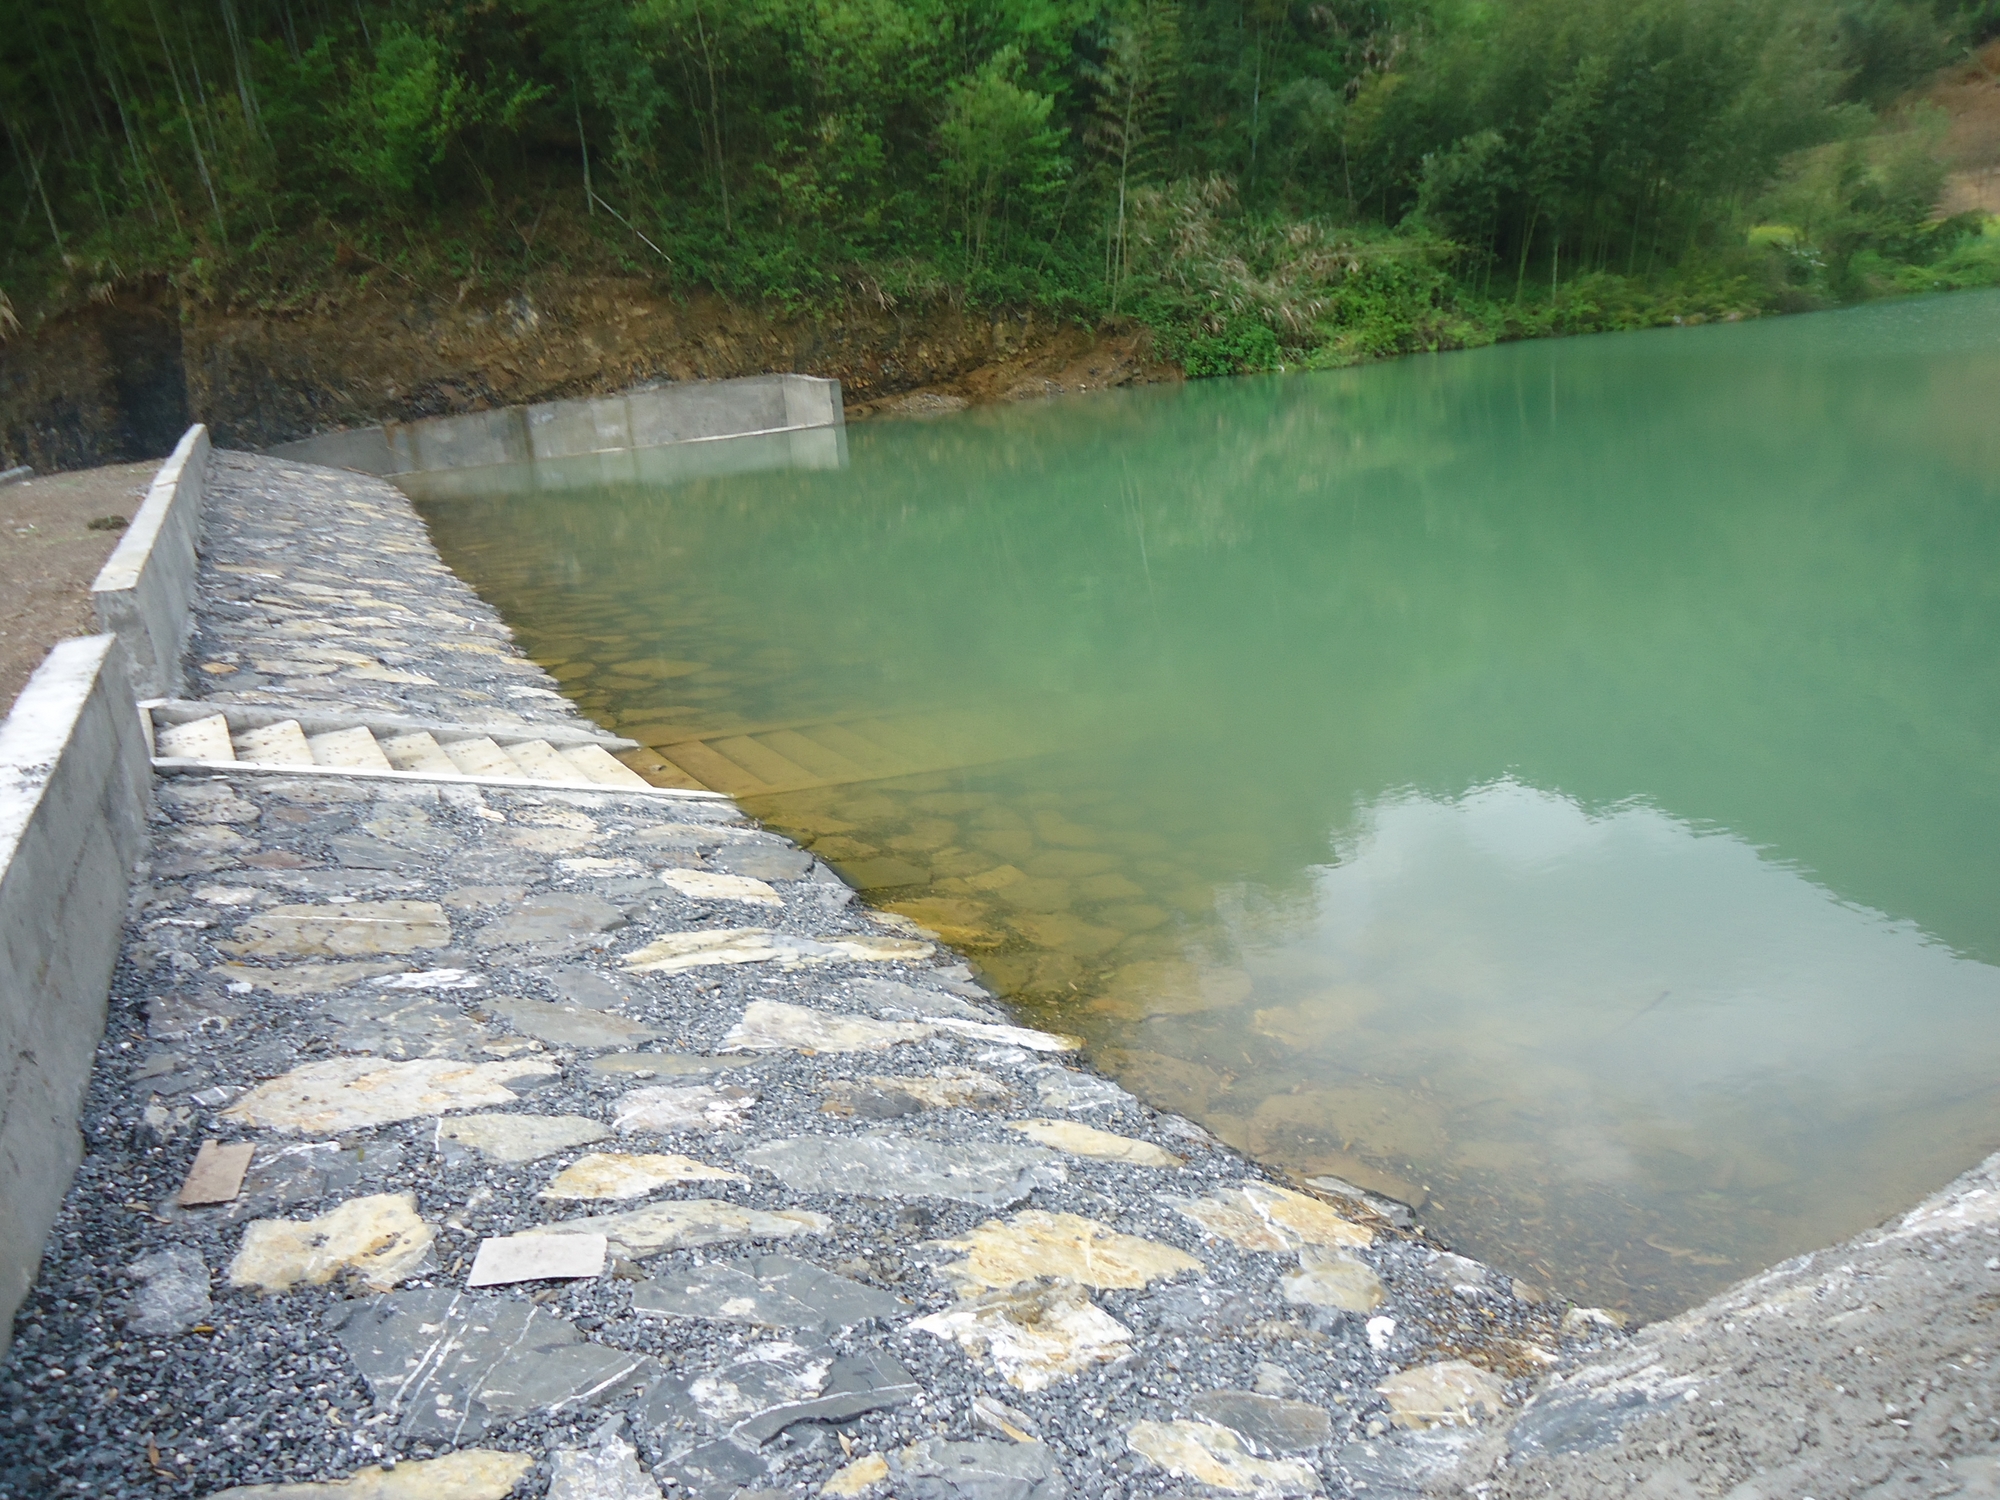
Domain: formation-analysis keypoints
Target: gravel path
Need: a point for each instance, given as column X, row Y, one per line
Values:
column 794, row 1207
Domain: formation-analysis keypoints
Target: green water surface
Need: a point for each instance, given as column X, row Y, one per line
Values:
column 1558, row 783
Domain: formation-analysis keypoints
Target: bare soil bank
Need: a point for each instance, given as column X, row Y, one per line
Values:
column 48, row 556
column 122, row 379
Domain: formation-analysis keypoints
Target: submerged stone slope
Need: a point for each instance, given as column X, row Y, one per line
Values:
column 794, row 1208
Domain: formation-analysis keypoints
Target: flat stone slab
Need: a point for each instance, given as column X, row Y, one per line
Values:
column 401, row 1025
column 569, row 1026
column 1453, row 1393
column 1328, row 1278
column 774, row 1026
column 1219, row 1458
column 351, row 1093
column 377, row 1241
column 669, row 1109
column 514, row 1138
column 665, row 1065
column 340, row 931
column 556, row 921
column 1036, row 1244
column 887, row 1096
column 614, row 1174
column 469, row 1474
column 905, row 1167
column 173, row 1292
column 537, row 1257
column 608, row 1470
column 688, row 1224
column 772, row 1291
column 1260, row 1216
column 978, row 1470
column 762, row 861
column 757, row 945
column 708, row 885
column 1066, row 1090
column 771, row 1387
column 1085, row 1140
column 450, row 1364
column 1270, row 1424
column 1034, row 1335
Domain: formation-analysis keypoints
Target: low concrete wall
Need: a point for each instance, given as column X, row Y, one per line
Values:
column 74, row 784
column 671, row 463
column 650, row 417
column 145, row 593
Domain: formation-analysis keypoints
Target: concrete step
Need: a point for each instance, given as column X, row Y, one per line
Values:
column 601, row 766
column 539, row 762
column 353, row 748
column 280, row 744
column 417, row 751
column 202, row 739
column 481, row 757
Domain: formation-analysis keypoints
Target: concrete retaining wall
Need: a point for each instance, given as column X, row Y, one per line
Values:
column 74, row 783
column 647, row 418
column 672, row 463
column 145, row 592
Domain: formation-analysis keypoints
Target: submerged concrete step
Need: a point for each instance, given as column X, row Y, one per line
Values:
column 203, row 739
column 601, row 766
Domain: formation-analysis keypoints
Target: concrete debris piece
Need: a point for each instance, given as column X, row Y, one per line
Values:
column 567, row 1026
column 1003, row 1419
column 352, row 1093
column 1450, row 1394
column 762, row 861
column 1268, row 1424
column 689, row 1223
column 341, row 931
column 1083, row 1140
column 772, row 1291
column 1217, row 1457
column 1035, row 1244
column 449, row 1363
column 706, row 885
column 1381, row 1333
column 217, row 1173
column 886, row 1097
column 1069, row 1090
column 773, row 1026
column 608, row 1470
column 864, row 1476
column 469, row 1474
column 173, row 1292
column 537, row 1257
column 1260, row 1216
column 934, row 1469
column 1033, row 1335
column 667, row 1108
column 613, row 1174
column 515, row 1138
column 756, row 945
column 904, row 1167
column 1329, row 1278
column 555, row 921
column 378, row 1240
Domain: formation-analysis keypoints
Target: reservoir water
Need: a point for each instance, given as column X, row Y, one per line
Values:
column 1557, row 784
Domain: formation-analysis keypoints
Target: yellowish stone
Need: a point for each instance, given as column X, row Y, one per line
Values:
column 963, row 923
column 1260, row 1216
column 1216, row 1456
column 378, row 1240
column 613, row 1174
column 352, row 1093
column 1328, row 1278
column 773, row 1026
column 340, row 931
column 1085, row 1140
column 470, row 1474
column 858, row 1478
column 1036, row 1243
column 707, row 885
column 1034, row 1335
column 1451, row 1394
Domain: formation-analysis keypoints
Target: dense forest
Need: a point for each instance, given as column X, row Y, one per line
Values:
column 1261, row 181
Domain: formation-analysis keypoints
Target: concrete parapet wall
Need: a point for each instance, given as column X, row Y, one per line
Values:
column 647, row 418
column 145, row 593
column 73, row 791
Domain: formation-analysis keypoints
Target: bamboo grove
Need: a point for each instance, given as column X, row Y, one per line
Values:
column 1263, row 180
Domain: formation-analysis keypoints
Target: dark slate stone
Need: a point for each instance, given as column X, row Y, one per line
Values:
column 772, row 1291
column 762, row 861
column 451, row 1364
column 914, row 1000
column 565, row 1026
column 403, row 1024
column 859, row 1383
column 934, row 1469
column 762, row 1393
column 360, row 851
column 173, row 1295
column 559, row 918
column 1576, row 1421
column 1271, row 1425
column 588, row 988
column 714, row 1471
column 176, row 1014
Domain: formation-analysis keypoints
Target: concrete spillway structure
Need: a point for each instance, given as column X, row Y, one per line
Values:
column 645, row 435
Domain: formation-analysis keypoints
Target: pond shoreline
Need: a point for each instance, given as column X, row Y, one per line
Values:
column 1014, row 1272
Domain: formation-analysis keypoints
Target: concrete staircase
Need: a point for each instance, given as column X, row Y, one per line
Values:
column 192, row 736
